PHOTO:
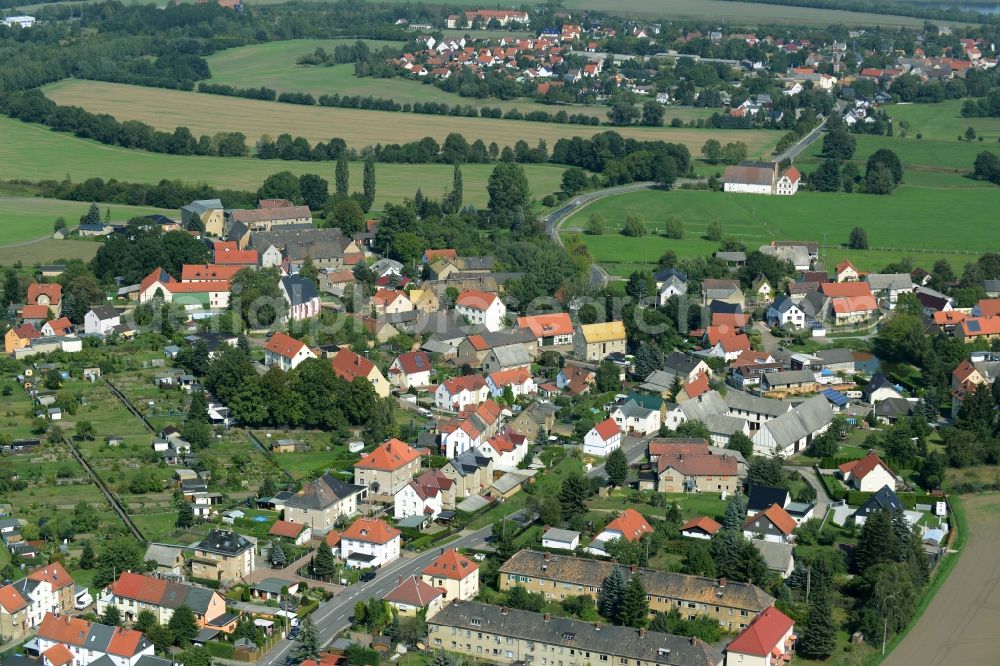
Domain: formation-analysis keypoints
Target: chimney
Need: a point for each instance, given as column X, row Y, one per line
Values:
column 548, row 617
column 504, row 610
column 642, row 632
column 548, row 556
column 597, row 626
column 633, row 567
column 399, row 579
column 722, row 582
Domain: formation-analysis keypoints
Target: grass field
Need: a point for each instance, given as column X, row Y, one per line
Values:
column 274, row 65
column 943, row 122
column 48, row 251
column 29, row 218
column 909, row 220
column 32, row 152
column 208, row 114
column 941, row 155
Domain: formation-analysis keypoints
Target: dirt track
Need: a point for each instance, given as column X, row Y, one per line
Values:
column 960, row 625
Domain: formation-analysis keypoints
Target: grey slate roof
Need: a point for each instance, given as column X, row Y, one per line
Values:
column 708, row 404
column 299, row 290
column 225, row 543
column 468, row 462
column 322, row 493
column 165, row 555
column 511, row 355
column 889, row 281
column 804, row 419
column 836, row 355
column 885, row 498
column 761, row 497
column 202, row 205
column 105, row 312
column 622, row 642
column 632, row 409
column 725, row 425
column 894, row 408
column 741, row 400
column 777, row 556
column 680, row 363
column 788, row 377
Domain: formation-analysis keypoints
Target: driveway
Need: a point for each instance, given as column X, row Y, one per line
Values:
column 822, row 501
column 960, row 624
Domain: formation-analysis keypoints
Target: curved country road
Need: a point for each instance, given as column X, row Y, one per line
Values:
column 960, row 624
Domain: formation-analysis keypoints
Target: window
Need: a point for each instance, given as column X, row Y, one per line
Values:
column 604, row 657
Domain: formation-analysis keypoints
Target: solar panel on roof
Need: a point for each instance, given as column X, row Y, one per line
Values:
column 974, row 326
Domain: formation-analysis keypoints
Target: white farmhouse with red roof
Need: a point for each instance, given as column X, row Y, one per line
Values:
column 285, row 352
column 482, row 307
column 869, row 474
column 410, row 370
column 767, row 641
column 603, row 438
column 458, row 393
column 369, row 543
column 630, row 526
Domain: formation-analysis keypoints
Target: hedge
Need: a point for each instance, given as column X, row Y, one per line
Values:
column 220, row 650
column 306, row 609
column 207, row 582
column 833, row 487
column 909, row 500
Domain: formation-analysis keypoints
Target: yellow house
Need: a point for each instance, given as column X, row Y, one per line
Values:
column 455, row 574
column 209, row 212
column 348, row 365
column 594, row 342
column 424, row 300
column 19, row 338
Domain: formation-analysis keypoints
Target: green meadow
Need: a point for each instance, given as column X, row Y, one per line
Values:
column 943, row 122
column 30, row 218
column 913, row 221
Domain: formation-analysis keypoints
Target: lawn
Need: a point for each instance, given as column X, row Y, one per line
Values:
column 909, row 223
column 167, row 109
column 943, row 121
column 48, row 251
column 33, row 152
column 31, row 218
column 944, row 155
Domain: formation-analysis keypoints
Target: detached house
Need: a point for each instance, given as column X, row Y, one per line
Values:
column 471, row 472
column 322, row 502
column 772, row 524
column 550, row 330
column 519, row 381
column 20, row 337
column 506, row 450
column 387, row 468
column 301, row 296
column 698, row 472
column 347, row 365
column 369, row 543
column 602, row 439
column 410, row 370
column 223, row 556
column 390, row 301
column 101, row 319
column 595, row 342
column 869, row 474
column 424, row 496
column 482, row 307
column 49, row 295
column 632, row 417
column 285, row 352
column 133, row 593
column 457, row 393
column 454, row 574
column 629, row 525
column 767, row 641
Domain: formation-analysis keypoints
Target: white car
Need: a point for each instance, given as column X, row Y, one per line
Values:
column 83, row 601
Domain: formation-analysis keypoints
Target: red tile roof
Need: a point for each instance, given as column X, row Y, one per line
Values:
column 445, row 253
column 942, row 318
column 37, row 289
column 861, row 468
column 547, row 325
column 607, row 429
column 849, row 304
column 347, row 365
column 64, row 629
column 58, row 655
column 845, row 289
column 141, row 588
column 35, row 312
column 475, row 299
column 631, row 524
column 332, row 539
column 60, row 326
column 972, row 326
column 414, row 362
column 697, row 387
column 157, row 275
column 735, row 343
column 370, row 530
column 283, row 528
column 703, row 523
column 413, row 591
column 513, row 376
column 125, row 642
column 229, row 253
column 284, row 345
column 208, row 272
column 389, row 456
column 701, row 464
column 662, row 446
column 464, row 383
column 450, row 564
column 11, row 599
column 763, row 634
column 778, row 517
column 384, row 297
column 28, row 331
column 55, row 574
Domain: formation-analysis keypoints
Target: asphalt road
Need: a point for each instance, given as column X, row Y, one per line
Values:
column 333, row 616
column 634, row 448
column 960, row 624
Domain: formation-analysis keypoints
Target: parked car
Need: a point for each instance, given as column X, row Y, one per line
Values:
column 367, row 576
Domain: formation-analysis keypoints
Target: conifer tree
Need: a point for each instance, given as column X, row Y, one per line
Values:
column 634, row 607
column 819, row 634
column 612, row 592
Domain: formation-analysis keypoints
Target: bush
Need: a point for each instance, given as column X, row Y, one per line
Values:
column 833, row 488
column 220, row 650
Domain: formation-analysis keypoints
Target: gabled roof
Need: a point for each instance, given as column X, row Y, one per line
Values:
column 38, row 289
column 55, row 574
column 389, row 456
column 777, row 517
column 414, row 362
column 631, row 524
column 370, row 530
column 761, row 497
column 199, row 272
column 283, row 528
column 699, row 464
column 476, row 300
column 763, row 634
column 859, row 469
column 450, row 564
column 607, row 429
column 605, row 332
column 11, row 599
column 298, row 289
column 703, row 523
column 58, row 655
column 845, row 289
column 157, row 275
column 35, row 312
column 347, row 365
column 28, row 331
column 284, row 345
column 464, row 383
